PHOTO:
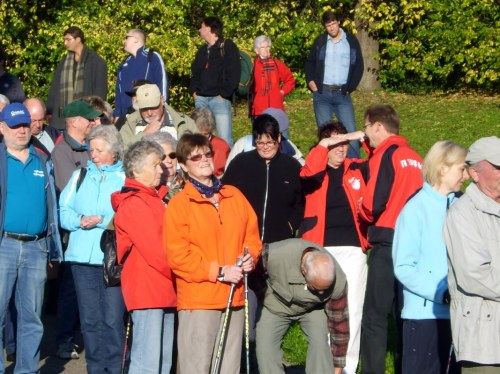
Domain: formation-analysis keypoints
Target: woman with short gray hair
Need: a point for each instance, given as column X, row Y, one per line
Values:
column 272, row 80
column 146, row 278
column 111, row 136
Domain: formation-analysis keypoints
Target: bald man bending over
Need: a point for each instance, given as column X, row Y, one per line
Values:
column 305, row 284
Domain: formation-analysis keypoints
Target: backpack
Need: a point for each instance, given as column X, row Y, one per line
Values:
column 246, row 74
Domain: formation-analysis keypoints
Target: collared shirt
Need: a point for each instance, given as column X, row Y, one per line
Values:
column 26, row 204
column 46, row 140
column 337, row 61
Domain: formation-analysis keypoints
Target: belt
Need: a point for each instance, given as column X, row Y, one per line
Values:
column 24, row 237
column 332, row 88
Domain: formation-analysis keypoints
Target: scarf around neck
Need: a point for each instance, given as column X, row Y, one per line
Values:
column 71, row 80
column 208, row 191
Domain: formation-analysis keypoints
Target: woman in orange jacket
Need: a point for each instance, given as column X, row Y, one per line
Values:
column 206, row 228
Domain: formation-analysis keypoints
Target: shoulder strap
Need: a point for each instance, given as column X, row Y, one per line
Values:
column 81, row 177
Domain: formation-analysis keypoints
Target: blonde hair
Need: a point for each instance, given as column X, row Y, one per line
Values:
column 442, row 152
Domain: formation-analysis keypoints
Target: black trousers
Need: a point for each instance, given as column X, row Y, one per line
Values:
column 380, row 301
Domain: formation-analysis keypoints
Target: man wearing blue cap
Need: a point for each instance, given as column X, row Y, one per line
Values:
column 28, row 232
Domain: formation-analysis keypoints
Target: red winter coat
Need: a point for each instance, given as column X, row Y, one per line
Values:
column 276, row 76
column 146, row 276
column 314, row 172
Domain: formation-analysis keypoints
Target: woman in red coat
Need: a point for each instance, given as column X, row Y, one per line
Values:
column 272, row 79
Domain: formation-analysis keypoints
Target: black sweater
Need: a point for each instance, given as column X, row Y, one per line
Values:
column 281, row 212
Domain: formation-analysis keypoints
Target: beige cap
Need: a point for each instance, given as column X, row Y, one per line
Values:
column 484, row 149
column 148, row 96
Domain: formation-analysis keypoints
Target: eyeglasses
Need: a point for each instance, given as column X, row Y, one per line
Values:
column 42, row 120
column 68, row 39
column 172, row 155
column 368, row 125
column 265, row 144
column 198, row 157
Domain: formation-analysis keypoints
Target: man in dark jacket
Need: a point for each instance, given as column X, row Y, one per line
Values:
column 215, row 77
column 82, row 72
column 334, row 69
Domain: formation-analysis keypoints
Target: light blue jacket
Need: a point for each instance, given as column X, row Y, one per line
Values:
column 92, row 198
column 419, row 255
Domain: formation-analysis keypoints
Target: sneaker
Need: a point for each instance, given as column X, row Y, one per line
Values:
column 67, row 350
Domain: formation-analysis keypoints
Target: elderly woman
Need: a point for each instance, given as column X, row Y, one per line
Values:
column 171, row 176
column 205, row 121
column 420, row 261
column 206, row 228
column 85, row 205
column 333, row 185
column 146, row 279
column 272, row 79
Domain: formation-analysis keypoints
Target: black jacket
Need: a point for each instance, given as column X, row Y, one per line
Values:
column 315, row 64
column 216, row 70
column 274, row 191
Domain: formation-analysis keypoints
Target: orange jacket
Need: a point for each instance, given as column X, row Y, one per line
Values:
column 198, row 239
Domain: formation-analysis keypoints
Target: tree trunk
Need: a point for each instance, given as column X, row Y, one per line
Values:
column 369, row 48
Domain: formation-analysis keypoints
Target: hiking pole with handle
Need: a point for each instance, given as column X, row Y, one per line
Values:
column 247, row 323
column 223, row 333
column 125, row 347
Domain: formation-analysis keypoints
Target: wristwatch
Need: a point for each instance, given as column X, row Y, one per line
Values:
column 220, row 276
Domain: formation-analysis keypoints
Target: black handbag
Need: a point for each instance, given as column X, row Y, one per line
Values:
column 112, row 268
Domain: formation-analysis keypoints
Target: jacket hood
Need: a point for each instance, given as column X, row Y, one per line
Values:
column 133, row 187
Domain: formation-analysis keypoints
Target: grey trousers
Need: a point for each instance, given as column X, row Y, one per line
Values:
column 270, row 331
column 198, row 339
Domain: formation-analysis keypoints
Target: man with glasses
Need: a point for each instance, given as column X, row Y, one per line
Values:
column 82, row 72
column 334, row 69
column 154, row 115
column 472, row 236
column 395, row 174
column 141, row 64
column 46, row 135
column 304, row 284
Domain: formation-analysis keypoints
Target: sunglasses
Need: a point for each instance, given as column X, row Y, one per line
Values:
column 199, row 156
column 172, row 156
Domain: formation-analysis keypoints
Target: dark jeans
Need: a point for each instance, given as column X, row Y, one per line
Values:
column 380, row 300
column 67, row 306
column 426, row 347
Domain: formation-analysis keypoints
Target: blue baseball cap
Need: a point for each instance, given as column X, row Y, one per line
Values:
column 15, row 114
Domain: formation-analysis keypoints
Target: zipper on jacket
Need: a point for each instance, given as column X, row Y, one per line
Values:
column 265, row 204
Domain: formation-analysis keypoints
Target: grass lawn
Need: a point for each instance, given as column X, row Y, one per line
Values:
column 425, row 119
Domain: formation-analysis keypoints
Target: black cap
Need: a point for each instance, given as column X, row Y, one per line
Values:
column 136, row 84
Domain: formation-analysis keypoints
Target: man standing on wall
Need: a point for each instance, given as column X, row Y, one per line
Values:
column 334, row 69
column 215, row 76
column 82, row 72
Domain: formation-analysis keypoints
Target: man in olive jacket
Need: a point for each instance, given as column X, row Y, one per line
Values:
column 305, row 284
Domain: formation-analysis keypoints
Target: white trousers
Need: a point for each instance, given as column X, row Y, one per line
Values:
column 352, row 260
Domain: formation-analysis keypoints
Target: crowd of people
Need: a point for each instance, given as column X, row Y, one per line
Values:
column 224, row 243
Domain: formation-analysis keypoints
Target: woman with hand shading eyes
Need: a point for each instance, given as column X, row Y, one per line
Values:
column 206, row 228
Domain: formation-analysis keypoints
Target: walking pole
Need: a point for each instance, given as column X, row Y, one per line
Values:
column 247, row 323
column 223, row 333
column 125, row 347
column 449, row 359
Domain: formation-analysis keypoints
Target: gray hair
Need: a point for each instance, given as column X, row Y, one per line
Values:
column 111, row 136
column 4, row 100
column 204, row 119
column 257, row 42
column 319, row 265
column 136, row 155
column 161, row 138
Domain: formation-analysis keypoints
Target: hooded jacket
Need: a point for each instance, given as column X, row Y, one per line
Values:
column 92, row 198
column 147, row 281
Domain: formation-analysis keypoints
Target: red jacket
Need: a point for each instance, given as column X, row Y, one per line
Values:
column 314, row 175
column 221, row 151
column 267, row 83
column 395, row 175
column 146, row 277
column 199, row 238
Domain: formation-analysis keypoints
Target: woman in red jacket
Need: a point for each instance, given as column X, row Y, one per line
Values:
column 333, row 185
column 147, row 284
column 272, row 79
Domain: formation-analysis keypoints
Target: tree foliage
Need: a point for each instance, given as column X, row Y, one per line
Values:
column 437, row 43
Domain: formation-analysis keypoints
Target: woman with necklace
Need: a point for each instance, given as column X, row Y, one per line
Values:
column 206, row 228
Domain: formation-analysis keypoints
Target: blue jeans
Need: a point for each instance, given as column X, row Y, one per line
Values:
column 327, row 104
column 153, row 332
column 101, row 319
column 23, row 270
column 221, row 108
